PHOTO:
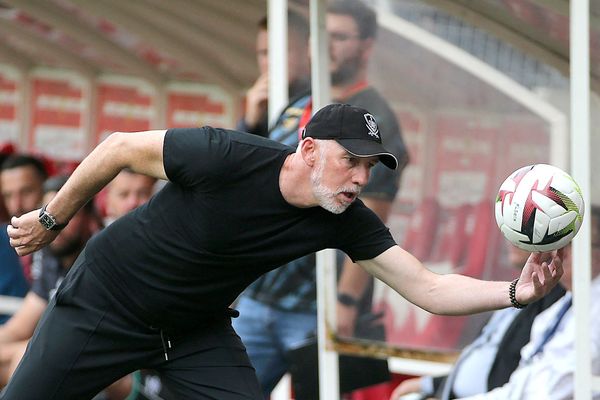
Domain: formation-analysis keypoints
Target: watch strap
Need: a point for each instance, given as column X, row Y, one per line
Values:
column 55, row 226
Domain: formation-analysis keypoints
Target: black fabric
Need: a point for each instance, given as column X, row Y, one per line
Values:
column 86, row 340
column 219, row 224
column 293, row 287
column 47, row 273
column 517, row 336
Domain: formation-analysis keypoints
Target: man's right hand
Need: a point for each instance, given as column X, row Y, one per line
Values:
column 27, row 234
column 256, row 101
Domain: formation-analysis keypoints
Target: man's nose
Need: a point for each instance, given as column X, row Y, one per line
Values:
column 361, row 177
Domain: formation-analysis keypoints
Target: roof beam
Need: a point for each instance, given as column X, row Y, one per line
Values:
column 518, row 33
column 210, row 22
column 11, row 56
column 202, row 31
column 63, row 21
column 208, row 57
column 47, row 48
column 122, row 14
column 475, row 17
column 244, row 12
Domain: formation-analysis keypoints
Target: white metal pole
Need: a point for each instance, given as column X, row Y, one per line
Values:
column 326, row 271
column 278, row 49
column 580, row 162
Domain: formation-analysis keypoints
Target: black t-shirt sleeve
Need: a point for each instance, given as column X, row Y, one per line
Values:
column 195, row 155
column 364, row 236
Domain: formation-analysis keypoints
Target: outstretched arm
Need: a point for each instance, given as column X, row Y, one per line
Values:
column 454, row 294
column 141, row 152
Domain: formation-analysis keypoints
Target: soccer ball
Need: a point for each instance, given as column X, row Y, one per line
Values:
column 539, row 208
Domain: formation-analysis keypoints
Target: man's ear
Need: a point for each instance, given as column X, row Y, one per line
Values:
column 308, row 151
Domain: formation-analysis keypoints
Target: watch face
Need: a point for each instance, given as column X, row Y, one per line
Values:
column 47, row 221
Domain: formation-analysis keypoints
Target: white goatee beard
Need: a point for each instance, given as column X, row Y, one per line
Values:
column 324, row 196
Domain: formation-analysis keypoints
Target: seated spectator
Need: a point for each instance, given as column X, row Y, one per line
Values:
column 482, row 366
column 547, row 361
column 3, row 213
column 49, row 267
column 21, row 180
column 128, row 190
column 547, row 366
column 12, row 279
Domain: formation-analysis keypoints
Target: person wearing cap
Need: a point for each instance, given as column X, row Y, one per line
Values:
column 153, row 289
column 278, row 312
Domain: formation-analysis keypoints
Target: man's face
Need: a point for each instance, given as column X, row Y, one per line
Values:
column 338, row 177
column 262, row 51
column 346, row 48
column 126, row 192
column 298, row 56
column 22, row 189
column 298, row 65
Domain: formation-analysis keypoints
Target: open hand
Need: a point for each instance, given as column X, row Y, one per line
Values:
column 541, row 273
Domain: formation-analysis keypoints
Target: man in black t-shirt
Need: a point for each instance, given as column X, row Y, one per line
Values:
column 153, row 289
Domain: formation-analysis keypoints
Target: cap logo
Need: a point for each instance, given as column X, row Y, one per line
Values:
column 372, row 125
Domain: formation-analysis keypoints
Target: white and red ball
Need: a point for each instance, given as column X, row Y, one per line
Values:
column 539, row 208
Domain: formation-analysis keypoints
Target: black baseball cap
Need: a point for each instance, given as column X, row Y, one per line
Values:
column 354, row 128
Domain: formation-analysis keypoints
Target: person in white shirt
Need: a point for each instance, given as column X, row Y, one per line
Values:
column 488, row 361
column 547, row 363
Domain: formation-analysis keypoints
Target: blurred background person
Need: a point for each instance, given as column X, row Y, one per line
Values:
column 547, row 366
column 21, row 182
column 255, row 119
column 49, row 268
column 278, row 311
column 492, row 357
column 12, row 278
column 127, row 191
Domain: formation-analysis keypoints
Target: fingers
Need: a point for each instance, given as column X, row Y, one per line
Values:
column 534, row 258
column 557, row 267
column 15, row 222
column 537, row 283
column 546, row 273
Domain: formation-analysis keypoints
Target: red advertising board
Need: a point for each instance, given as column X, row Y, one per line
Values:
column 465, row 150
column 190, row 104
column 58, row 112
column 125, row 105
column 449, row 229
column 452, row 230
column 9, row 105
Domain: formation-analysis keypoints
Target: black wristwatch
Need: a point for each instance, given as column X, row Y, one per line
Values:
column 347, row 300
column 48, row 220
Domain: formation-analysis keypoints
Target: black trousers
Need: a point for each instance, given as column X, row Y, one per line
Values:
column 86, row 340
